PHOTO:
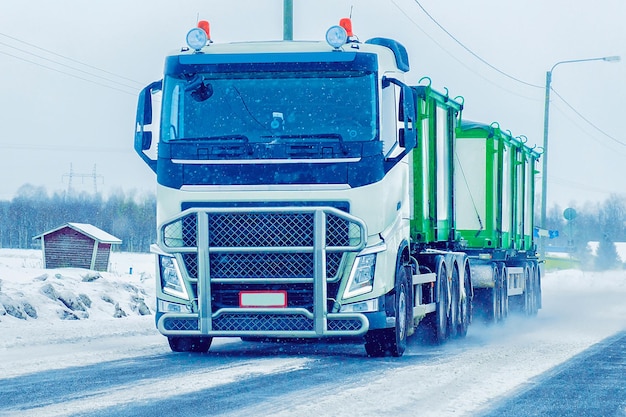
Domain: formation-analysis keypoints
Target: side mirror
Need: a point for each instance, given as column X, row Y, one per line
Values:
column 407, row 136
column 146, row 140
column 143, row 137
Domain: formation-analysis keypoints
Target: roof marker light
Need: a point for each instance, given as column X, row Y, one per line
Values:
column 346, row 23
column 204, row 25
column 336, row 36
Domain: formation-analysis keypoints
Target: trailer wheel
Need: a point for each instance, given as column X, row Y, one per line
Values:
column 538, row 298
column 504, row 293
column 528, row 299
column 529, row 293
column 534, row 296
column 454, row 322
column 437, row 323
column 383, row 342
column 189, row 343
column 466, row 303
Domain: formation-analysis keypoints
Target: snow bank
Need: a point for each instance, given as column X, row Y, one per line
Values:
column 55, row 318
column 28, row 292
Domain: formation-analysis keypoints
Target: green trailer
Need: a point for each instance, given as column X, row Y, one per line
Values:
column 494, row 198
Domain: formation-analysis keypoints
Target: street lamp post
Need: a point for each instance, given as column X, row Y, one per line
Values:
column 288, row 20
column 546, row 120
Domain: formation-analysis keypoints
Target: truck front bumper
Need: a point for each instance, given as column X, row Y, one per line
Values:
column 283, row 322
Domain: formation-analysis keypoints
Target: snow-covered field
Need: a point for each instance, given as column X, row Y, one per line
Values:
column 56, row 319
column 75, row 315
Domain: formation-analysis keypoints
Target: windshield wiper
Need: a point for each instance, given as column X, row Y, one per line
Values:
column 227, row 143
column 331, row 136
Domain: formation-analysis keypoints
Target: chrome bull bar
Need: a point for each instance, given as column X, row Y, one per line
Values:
column 209, row 235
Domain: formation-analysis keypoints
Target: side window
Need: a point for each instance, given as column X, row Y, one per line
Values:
column 170, row 111
column 390, row 124
column 174, row 129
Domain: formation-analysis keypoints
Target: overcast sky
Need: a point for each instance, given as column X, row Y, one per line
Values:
column 71, row 71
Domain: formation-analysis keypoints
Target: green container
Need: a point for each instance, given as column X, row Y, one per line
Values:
column 494, row 178
column 432, row 219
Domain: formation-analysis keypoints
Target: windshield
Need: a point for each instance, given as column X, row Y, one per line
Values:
column 264, row 107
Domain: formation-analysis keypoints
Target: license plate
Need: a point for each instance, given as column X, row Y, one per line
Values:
column 264, row 299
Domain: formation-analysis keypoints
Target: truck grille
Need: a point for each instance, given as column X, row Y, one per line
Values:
column 239, row 322
column 181, row 324
column 260, row 265
column 244, row 229
column 259, row 230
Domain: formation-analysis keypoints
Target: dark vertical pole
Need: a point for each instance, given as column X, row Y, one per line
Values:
column 288, row 20
column 544, row 173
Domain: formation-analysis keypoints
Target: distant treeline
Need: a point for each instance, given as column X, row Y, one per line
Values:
column 132, row 218
column 127, row 216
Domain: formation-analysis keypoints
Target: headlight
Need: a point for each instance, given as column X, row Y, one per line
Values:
column 171, row 278
column 362, row 276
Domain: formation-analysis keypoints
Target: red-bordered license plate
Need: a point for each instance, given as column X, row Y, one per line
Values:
column 263, row 299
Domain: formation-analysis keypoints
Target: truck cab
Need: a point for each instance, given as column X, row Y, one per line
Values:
column 282, row 175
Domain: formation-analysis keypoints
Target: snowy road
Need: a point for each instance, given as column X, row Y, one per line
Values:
column 591, row 384
column 122, row 367
column 295, row 379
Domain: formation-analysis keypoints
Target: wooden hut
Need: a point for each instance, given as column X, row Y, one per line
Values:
column 77, row 245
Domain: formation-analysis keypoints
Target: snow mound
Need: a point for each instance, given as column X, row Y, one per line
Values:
column 29, row 292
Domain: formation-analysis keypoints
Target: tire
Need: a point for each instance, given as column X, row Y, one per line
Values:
column 529, row 293
column 538, row 297
column 454, row 320
column 466, row 303
column 392, row 341
column 189, row 343
column 504, row 293
column 436, row 324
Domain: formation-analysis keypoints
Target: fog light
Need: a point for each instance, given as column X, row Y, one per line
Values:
column 361, row 307
column 168, row 307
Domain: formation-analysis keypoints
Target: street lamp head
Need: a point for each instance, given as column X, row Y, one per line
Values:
column 615, row 58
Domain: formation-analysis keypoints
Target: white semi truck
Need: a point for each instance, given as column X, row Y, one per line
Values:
column 304, row 190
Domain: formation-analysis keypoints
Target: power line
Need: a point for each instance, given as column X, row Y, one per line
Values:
column 69, row 59
column 575, row 122
column 457, row 59
column 579, row 186
column 67, row 73
column 68, row 66
column 587, row 120
column 502, row 72
column 472, row 52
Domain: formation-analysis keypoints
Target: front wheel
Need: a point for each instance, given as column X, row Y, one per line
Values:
column 189, row 343
column 383, row 342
